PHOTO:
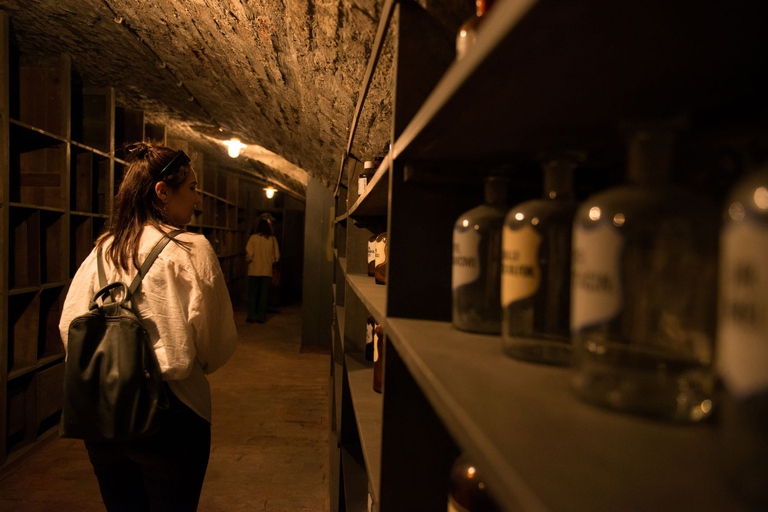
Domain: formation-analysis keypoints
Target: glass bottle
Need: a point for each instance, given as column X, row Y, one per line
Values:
column 476, row 275
column 370, row 328
column 377, row 358
column 369, row 169
column 742, row 339
column 467, row 491
column 536, row 270
column 643, row 291
column 382, row 253
column 372, row 255
column 467, row 36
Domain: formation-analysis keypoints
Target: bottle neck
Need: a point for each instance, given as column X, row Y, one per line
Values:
column 558, row 179
column 483, row 6
column 650, row 156
column 495, row 192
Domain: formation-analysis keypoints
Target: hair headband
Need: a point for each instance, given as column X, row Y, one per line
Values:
column 178, row 161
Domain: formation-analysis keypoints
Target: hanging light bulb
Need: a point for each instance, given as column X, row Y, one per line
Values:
column 233, row 147
column 270, row 191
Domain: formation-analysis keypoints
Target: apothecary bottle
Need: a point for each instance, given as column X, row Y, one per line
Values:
column 643, row 291
column 476, row 273
column 377, row 358
column 369, row 169
column 372, row 255
column 467, row 491
column 381, row 249
column 742, row 339
column 467, row 36
column 536, row 270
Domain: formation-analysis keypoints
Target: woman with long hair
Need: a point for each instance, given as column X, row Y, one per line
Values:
column 184, row 305
column 262, row 253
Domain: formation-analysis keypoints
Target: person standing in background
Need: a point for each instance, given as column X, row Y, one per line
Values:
column 262, row 253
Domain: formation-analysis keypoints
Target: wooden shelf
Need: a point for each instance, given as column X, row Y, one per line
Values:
column 375, row 198
column 343, row 265
column 372, row 295
column 553, row 75
column 81, row 146
column 342, row 218
column 29, row 137
column 538, row 446
column 354, row 481
column 368, row 406
column 37, row 207
column 340, row 318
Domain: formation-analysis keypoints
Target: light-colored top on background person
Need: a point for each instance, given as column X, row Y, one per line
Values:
column 261, row 252
column 183, row 304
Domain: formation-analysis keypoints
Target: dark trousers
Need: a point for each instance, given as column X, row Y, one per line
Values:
column 258, row 293
column 162, row 472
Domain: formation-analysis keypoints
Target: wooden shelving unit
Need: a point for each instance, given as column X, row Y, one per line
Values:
column 60, row 164
column 542, row 77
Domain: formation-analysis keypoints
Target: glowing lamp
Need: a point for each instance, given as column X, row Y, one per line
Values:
column 233, row 147
column 270, row 191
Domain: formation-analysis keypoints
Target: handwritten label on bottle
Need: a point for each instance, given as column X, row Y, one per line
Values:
column 378, row 253
column 362, row 182
column 595, row 278
column 466, row 259
column 743, row 310
column 369, row 334
column 520, row 271
column 375, row 347
column 372, row 252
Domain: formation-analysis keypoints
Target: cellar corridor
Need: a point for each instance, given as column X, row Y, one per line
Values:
column 270, row 435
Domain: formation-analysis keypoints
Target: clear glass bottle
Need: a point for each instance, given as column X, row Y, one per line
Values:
column 476, row 275
column 382, row 253
column 467, row 36
column 742, row 339
column 643, row 291
column 536, row 270
column 365, row 177
column 377, row 358
column 467, row 491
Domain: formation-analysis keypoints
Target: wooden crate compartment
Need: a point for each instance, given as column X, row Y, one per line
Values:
column 23, row 331
column 155, row 132
column 52, row 247
column 129, row 128
column 119, row 172
column 50, row 394
column 24, row 248
column 221, row 185
column 21, row 419
column 232, row 188
column 49, row 339
column 221, row 214
column 231, row 217
column 40, row 92
column 37, row 169
column 90, row 182
column 82, row 234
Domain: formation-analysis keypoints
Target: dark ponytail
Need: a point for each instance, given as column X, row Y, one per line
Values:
column 136, row 202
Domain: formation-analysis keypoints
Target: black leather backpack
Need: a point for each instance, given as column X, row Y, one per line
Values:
column 113, row 389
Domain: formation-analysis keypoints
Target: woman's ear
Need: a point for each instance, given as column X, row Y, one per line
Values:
column 161, row 189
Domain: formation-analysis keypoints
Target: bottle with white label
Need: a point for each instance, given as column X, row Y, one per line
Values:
column 372, row 255
column 476, row 274
column 378, row 347
column 381, row 253
column 365, row 177
column 467, row 491
column 370, row 333
column 742, row 339
column 536, row 270
column 643, row 291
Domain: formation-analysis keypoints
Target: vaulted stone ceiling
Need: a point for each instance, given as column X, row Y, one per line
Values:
column 280, row 74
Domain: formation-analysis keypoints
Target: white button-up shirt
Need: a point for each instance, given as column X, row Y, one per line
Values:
column 184, row 306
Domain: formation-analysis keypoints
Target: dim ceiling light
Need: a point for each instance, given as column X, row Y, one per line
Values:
column 233, row 147
column 270, row 191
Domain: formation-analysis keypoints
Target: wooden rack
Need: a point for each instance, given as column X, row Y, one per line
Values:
column 543, row 76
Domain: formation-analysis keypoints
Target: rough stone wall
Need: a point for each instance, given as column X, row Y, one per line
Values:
column 283, row 74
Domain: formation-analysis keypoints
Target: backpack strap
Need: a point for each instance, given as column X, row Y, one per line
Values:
column 159, row 246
